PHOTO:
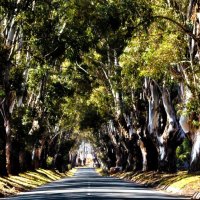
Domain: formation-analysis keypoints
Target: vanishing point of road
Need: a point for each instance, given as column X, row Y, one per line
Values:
column 87, row 184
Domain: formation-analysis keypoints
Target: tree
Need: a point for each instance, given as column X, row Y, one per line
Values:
column 125, row 71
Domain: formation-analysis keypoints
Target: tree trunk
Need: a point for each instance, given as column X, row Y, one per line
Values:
column 129, row 166
column 144, row 155
column 73, row 159
column 36, row 157
column 154, row 103
column 43, row 157
column 163, row 126
column 190, row 91
column 154, row 118
column 172, row 136
column 152, row 154
column 136, row 154
column 22, row 161
column 3, row 171
column 110, row 157
column 15, row 166
column 118, row 157
column 137, row 159
column 195, row 154
column 7, row 108
column 192, row 131
column 8, row 147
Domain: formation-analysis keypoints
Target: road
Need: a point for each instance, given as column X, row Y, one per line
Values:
column 87, row 184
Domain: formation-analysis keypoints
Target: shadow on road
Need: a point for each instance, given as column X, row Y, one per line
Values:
column 87, row 184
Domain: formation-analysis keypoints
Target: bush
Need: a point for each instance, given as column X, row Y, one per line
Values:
column 69, row 166
column 183, row 155
column 49, row 162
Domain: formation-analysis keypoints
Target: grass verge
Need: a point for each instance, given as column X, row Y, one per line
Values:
column 180, row 182
column 102, row 172
column 12, row 185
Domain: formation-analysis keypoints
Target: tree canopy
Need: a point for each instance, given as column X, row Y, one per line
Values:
column 125, row 72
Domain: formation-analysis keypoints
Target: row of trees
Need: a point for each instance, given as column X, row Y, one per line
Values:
column 35, row 84
column 126, row 71
column 148, row 88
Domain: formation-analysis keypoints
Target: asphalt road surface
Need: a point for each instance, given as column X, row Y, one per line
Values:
column 87, row 184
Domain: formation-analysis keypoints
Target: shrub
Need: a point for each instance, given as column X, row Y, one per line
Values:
column 49, row 162
column 183, row 155
column 69, row 166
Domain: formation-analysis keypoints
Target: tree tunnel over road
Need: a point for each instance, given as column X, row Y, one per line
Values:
column 123, row 75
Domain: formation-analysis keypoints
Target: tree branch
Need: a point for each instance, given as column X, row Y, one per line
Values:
column 182, row 27
column 79, row 66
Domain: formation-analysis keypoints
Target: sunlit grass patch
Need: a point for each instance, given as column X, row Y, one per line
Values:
column 187, row 183
column 28, row 180
column 50, row 174
column 38, row 176
column 101, row 171
column 71, row 172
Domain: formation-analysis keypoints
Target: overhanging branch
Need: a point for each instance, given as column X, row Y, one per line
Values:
column 182, row 27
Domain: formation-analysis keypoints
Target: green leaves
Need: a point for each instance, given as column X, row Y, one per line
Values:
column 85, row 60
column 2, row 93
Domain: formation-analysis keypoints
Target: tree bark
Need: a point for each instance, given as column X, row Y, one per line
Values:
column 155, row 117
column 118, row 157
column 172, row 136
column 152, row 154
column 163, row 126
column 15, row 166
column 144, row 155
column 8, row 147
column 3, row 171
column 7, row 109
column 43, row 157
column 36, row 155
column 22, row 161
column 192, row 131
column 195, row 153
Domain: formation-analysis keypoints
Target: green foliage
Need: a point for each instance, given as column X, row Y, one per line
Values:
column 191, row 109
column 152, row 52
column 193, row 106
column 49, row 162
column 90, row 118
column 70, row 59
column 69, row 167
column 2, row 93
column 101, row 100
column 183, row 154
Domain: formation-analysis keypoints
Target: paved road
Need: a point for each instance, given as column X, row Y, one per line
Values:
column 87, row 184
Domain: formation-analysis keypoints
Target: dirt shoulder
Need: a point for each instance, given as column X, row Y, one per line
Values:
column 12, row 185
column 179, row 183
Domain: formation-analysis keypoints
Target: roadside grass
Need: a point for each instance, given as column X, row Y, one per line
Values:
column 180, row 182
column 12, row 185
column 102, row 172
